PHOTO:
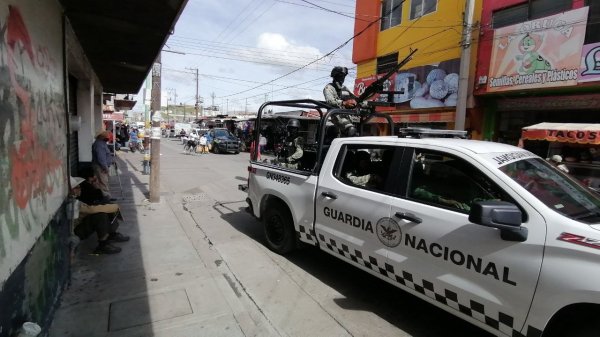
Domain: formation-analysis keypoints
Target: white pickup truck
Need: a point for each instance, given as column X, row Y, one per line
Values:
column 486, row 231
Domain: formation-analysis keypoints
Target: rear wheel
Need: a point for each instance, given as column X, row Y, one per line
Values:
column 279, row 229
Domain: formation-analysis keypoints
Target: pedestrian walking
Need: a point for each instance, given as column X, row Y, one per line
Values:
column 102, row 161
column 203, row 144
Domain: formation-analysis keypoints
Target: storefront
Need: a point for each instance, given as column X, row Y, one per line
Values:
column 112, row 123
column 506, row 116
column 577, row 144
column 541, row 70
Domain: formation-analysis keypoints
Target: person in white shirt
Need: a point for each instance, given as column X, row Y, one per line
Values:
column 203, row 144
column 262, row 143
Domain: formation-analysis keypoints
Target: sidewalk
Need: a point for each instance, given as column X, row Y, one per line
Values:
column 167, row 281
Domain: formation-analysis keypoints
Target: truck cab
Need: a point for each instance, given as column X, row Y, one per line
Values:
column 489, row 232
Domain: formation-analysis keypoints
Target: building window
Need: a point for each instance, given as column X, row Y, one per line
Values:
column 592, row 33
column 391, row 13
column 387, row 63
column 530, row 10
column 419, row 8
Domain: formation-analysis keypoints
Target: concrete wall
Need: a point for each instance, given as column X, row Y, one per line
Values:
column 34, row 229
column 33, row 145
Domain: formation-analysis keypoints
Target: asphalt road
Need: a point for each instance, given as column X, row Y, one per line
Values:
column 307, row 292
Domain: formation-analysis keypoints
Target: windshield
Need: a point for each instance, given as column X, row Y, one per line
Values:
column 558, row 191
column 222, row 134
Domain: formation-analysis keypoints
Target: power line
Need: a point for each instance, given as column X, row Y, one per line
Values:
column 250, row 52
column 248, row 14
column 234, row 19
column 324, row 56
column 330, row 10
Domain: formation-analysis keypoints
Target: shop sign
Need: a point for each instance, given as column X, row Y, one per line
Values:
column 590, row 63
column 540, row 53
column 431, row 86
column 113, row 116
column 564, row 136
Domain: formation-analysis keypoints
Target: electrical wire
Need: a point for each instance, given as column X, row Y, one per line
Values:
column 249, row 52
column 318, row 59
column 234, row 19
column 246, row 18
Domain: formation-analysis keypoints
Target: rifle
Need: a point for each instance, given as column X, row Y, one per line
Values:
column 378, row 85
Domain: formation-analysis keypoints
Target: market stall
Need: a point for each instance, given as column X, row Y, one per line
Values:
column 577, row 144
column 112, row 122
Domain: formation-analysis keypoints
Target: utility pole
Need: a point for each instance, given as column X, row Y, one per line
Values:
column 174, row 100
column 197, row 97
column 465, row 65
column 172, row 91
column 155, row 141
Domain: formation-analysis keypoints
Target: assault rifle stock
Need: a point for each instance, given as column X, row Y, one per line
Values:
column 377, row 86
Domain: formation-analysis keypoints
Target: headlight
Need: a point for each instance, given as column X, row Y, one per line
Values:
column 217, row 140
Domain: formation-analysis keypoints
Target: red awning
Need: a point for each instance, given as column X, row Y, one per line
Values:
column 564, row 133
column 431, row 117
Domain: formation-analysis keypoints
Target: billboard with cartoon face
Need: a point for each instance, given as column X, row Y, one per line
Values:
column 590, row 63
column 537, row 54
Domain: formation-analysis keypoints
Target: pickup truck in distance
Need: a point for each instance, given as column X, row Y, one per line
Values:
column 486, row 231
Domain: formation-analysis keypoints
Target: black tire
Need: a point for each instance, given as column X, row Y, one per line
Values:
column 216, row 149
column 279, row 229
column 577, row 323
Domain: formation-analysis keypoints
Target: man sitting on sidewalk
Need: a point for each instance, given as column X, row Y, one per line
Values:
column 101, row 219
column 91, row 193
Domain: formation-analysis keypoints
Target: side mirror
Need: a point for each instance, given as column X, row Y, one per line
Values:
column 501, row 215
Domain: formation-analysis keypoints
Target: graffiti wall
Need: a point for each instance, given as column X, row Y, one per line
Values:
column 33, row 165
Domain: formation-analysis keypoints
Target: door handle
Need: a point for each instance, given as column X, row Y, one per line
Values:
column 329, row 195
column 410, row 217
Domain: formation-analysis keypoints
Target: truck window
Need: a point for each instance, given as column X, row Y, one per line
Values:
column 365, row 167
column 290, row 143
column 449, row 182
column 558, row 191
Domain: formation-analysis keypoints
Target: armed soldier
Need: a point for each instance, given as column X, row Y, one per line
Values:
column 336, row 94
column 293, row 147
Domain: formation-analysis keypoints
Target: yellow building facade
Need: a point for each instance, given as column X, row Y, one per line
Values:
column 429, row 82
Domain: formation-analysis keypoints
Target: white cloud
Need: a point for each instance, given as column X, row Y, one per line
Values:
column 280, row 51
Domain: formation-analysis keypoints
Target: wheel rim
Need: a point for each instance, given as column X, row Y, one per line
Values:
column 275, row 229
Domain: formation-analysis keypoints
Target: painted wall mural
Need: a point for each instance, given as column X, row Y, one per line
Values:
column 33, row 149
column 430, row 86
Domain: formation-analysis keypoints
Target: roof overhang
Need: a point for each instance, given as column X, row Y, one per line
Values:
column 122, row 39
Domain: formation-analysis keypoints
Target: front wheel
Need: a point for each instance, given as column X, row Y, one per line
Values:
column 279, row 229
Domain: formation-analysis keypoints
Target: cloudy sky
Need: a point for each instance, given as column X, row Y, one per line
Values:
column 245, row 49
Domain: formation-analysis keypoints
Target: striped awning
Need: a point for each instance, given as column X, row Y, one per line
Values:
column 430, row 117
column 563, row 132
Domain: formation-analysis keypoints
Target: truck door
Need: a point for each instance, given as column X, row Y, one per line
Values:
column 460, row 265
column 352, row 197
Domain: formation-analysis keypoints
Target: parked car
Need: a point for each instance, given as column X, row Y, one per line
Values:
column 224, row 141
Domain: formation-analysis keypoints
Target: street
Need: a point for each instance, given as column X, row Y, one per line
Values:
column 306, row 293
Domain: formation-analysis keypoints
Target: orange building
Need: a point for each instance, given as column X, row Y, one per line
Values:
column 424, row 91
